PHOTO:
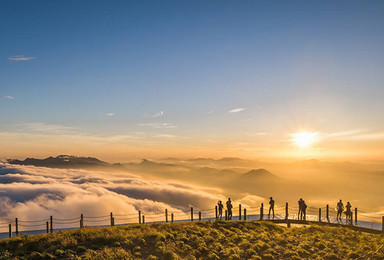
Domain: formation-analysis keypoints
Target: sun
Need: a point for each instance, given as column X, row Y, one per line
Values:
column 304, row 139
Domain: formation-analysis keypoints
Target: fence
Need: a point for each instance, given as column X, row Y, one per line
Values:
column 360, row 220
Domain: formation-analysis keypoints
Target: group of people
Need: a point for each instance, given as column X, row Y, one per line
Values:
column 340, row 210
column 302, row 214
column 220, row 207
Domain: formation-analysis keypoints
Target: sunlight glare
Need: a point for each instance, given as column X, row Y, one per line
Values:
column 304, row 139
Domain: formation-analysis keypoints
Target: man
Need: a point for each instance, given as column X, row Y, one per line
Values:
column 300, row 213
column 220, row 207
column 271, row 208
column 229, row 209
column 340, row 208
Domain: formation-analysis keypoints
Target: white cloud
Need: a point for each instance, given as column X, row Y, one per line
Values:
column 110, row 114
column 158, row 125
column 158, row 114
column 9, row 97
column 236, row 110
column 21, row 58
column 33, row 193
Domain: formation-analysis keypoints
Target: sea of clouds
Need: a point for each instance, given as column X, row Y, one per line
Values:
column 31, row 193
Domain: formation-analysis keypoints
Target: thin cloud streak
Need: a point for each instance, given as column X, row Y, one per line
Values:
column 20, row 58
column 355, row 135
column 158, row 125
column 236, row 110
column 48, row 128
column 9, row 97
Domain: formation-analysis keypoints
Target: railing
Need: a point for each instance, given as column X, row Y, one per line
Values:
column 360, row 220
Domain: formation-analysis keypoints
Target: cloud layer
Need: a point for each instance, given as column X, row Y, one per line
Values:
column 31, row 193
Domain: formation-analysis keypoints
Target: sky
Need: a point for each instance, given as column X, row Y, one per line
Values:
column 125, row 80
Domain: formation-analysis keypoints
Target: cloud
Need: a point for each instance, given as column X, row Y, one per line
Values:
column 49, row 128
column 158, row 125
column 31, row 193
column 158, row 114
column 110, row 114
column 236, row 110
column 21, row 58
column 357, row 135
column 166, row 136
column 9, row 97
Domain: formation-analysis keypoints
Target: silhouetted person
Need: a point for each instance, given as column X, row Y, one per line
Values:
column 220, row 207
column 300, row 213
column 340, row 208
column 271, row 208
column 304, row 210
column 229, row 208
column 348, row 213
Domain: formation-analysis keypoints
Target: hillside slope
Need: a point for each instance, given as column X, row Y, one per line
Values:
column 198, row 240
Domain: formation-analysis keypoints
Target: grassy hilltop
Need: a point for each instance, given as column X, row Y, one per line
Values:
column 198, row 240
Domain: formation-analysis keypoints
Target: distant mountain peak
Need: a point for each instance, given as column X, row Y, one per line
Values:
column 259, row 173
column 61, row 161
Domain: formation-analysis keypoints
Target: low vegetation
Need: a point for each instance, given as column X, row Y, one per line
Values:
column 198, row 240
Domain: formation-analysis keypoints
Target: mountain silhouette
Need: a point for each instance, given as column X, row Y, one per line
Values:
column 62, row 161
column 259, row 174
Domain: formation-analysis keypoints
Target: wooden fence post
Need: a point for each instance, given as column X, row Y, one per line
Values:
column 139, row 216
column 262, row 211
column 10, row 231
column 319, row 214
column 216, row 212
column 143, row 219
column 81, row 221
column 356, row 216
column 51, row 224
column 327, row 213
column 47, row 226
column 17, row 226
column 288, row 223
column 112, row 219
column 166, row 215
column 171, row 217
column 245, row 214
column 199, row 215
column 239, row 211
column 226, row 214
column 382, row 225
column 191, row 213
column 286, row 210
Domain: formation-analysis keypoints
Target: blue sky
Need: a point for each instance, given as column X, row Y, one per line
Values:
column 173, row 70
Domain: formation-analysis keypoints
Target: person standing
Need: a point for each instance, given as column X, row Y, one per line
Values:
column 340, row 208
column 220, row 207
column 229, row 209
column 304, row 210
column 300, row 213
column 271, row 208
column 348, row 213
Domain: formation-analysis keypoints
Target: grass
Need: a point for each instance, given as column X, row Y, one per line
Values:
column 198, row 240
